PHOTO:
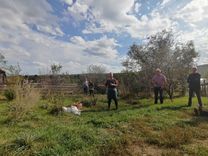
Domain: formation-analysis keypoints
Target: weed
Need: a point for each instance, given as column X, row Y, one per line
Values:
column 27, row 97
column 9, row 94
column 175, row 137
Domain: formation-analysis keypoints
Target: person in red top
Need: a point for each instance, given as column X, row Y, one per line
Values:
column 159, row 81
column 111, row 84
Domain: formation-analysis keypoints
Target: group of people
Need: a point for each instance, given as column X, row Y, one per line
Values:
column 159, row 82
column 88, row 87
column 111, row 86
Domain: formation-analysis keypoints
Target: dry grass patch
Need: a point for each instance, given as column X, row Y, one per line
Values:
column 175, row 137
column 26, row 98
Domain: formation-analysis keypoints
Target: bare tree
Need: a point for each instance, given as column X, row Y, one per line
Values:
column 11, row 69
column 56, row 69
column 96, row 69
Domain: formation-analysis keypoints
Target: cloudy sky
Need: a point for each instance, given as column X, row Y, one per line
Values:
column 77, row 33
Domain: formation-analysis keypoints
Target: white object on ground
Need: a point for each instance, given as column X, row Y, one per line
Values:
column 72, row 109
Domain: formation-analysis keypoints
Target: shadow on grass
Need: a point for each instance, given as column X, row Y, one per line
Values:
column 194, row 122
column 172, row 107
column 129, row 107
column 95, row 110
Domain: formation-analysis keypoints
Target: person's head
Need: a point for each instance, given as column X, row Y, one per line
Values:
column 194, row 69
column 158, row 71
column 110, row 75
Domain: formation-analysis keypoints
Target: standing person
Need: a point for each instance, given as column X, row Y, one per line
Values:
column 194, row 86
column 86, row 86
column 111, row 85
column 159, row 81
column 91, row 88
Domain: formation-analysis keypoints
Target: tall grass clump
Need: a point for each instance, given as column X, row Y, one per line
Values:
column 9, row 94
column 26, row 97
column 56, row 102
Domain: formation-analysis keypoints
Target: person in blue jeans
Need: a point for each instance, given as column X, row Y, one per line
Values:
column 111, row 85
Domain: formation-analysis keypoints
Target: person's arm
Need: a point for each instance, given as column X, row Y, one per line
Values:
column 199, row 79
column 153, row 81
column 106, row 83
column 115, row 84
column 188, row 79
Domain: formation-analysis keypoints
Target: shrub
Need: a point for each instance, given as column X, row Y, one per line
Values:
column 9, row 94
column 56, row 102
column 26, row 97
column 55, row 110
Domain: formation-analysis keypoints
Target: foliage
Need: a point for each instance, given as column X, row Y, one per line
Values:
column 9, row 94
column 12, row 69
column 56, row 69
column 56, row 102
column 26, row 98
column 162, row 51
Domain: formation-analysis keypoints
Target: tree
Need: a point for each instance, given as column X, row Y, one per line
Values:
column 162, row 51
column 96, row 69
column 11, row 69
column 56, row 69
column 96, row 74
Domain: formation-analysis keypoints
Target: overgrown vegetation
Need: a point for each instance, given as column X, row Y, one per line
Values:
column 9, row 94
column 135, row 129
column 24, row 98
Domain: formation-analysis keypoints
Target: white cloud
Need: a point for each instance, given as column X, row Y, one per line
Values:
column 70, row 2
column 117, row 16
column 78, row 11
column 165, row 2
column 105, row 47
column 194, row 12
column 137, row 7
column 19, row 42
column 103, row 16
column 55, row 31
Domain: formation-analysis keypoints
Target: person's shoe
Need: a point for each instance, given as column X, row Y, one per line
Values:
column 200, row 109
column 196, row 112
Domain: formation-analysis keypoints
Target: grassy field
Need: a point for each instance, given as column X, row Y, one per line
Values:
column 137, row 128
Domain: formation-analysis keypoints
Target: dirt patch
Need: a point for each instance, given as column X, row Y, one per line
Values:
column 145, row 150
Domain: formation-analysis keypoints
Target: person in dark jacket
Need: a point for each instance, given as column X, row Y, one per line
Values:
column 91, row 88
column 194, row 86
column 111, row 85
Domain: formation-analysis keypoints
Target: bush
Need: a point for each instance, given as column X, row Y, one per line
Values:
column 9, row 94
column 26, row 97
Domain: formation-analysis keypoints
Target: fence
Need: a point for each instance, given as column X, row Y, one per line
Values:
column 64, row 89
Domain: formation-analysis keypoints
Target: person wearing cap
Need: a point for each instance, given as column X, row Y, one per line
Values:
column 194, row 86
column 111, row 85
column 159, row 81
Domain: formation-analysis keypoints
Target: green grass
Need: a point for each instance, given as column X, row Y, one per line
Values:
column 133, row 129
